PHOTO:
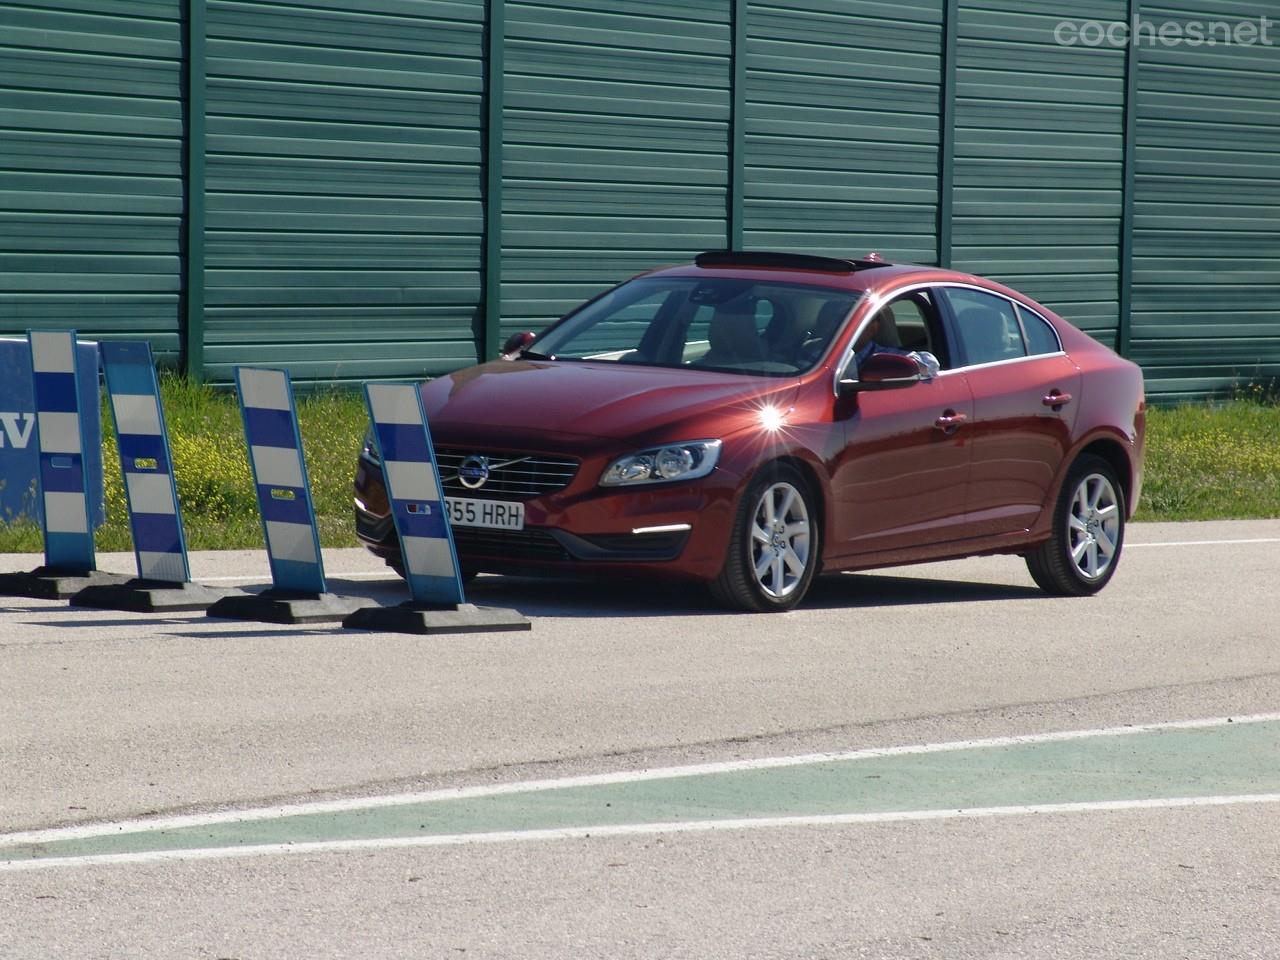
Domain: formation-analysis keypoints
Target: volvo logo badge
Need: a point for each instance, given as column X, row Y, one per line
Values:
column 473, row 471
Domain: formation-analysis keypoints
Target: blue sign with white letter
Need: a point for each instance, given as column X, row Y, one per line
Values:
column 19, row 459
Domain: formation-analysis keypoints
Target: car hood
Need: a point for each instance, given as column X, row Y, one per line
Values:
column 613, row 401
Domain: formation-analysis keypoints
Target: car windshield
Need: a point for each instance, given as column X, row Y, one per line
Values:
column 755, row 327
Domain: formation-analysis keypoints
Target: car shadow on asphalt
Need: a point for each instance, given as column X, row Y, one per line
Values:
column 613, row 598
column 878, row 590
column 601, row 598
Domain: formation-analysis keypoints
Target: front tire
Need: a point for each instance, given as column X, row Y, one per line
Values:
column 1081, row 555
column 774, row 547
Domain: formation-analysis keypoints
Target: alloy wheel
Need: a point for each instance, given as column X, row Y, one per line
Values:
column 1093, row 526
column 780, row 540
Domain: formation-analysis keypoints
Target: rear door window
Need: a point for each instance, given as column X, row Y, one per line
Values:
column 986, row 326
column 1041, row 338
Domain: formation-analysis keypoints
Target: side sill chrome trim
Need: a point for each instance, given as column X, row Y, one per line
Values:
column 670, row 528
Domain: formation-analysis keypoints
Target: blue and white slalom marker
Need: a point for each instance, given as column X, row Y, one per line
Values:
column 68, row 535
column 280, row 477
column 155, row 518
column 414, row 491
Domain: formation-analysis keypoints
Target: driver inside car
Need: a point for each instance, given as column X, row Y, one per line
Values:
column 884, row 327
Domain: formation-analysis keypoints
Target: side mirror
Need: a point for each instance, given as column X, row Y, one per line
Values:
column 516, row 343
column 883, row 371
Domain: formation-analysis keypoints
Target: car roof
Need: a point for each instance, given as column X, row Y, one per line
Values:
column 860, row 274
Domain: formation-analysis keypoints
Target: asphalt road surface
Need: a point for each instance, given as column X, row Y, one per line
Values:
column 934, row 761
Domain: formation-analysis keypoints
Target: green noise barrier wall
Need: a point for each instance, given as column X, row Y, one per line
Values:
column 91, row 184
column 842, row 127
column 1039, row 164
column 381, row 189
column 615, row 144
column 343, row 214
column 1206, row 244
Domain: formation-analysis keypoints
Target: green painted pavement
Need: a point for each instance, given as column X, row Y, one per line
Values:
column 1226, row 760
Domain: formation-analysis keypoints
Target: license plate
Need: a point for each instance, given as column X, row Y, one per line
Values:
column 495, row 514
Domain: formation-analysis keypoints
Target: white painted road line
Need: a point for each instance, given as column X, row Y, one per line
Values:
column 1203, row 543
column 86, row 831
column 635, row 829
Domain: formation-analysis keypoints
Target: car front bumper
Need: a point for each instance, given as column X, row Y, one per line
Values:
column 677, row 530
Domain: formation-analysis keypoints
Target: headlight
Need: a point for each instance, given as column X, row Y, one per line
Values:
column 677, row 461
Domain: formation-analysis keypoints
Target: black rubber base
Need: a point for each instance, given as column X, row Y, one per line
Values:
column 150, row 596
column 411, row 618
column 287, row 606
column 45, row 583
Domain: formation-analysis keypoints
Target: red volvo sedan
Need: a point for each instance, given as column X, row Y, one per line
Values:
column 754, row 419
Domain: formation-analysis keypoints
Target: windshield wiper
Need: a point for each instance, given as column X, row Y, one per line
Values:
column 533, row 355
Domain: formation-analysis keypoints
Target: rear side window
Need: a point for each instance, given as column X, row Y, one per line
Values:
column 987, row 326
column 1040, row 336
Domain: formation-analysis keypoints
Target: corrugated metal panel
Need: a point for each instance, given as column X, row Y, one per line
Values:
column 842, row 127
column 615, row 146
column 91, row 167
column 344, row 162
column 1039, row 169
column 1207, row 207
column 343, row 168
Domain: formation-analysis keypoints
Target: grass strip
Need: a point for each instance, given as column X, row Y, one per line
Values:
column 211, row 467
column 1212, row 462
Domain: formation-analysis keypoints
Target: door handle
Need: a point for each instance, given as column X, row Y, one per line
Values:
column 950, row 422
column 1057, row 399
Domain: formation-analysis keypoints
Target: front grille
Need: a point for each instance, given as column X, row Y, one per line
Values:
column 512, row 476
column 511, row 545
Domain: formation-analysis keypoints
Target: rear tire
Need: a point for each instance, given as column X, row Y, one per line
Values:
column 1082, row 553
column 774, row 545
